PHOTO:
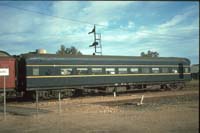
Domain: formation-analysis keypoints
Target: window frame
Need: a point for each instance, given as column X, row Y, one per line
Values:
column 155, row 71
column 78, row 70
column 36, row 71
column 125, row 71
column 134, row 71
column 174, row 70
column 186, row 68
column 66, row 69
column 147, row 68
column 96, row 72
column 112, row 72
column 166, row 70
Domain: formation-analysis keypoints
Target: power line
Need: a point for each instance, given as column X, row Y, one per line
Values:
column 41, row 13
column 85, row 22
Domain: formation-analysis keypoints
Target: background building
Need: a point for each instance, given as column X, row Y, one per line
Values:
column 195, row 71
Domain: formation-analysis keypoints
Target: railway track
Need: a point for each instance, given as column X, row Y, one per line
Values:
column 162, row 108
column 98, row 103
column 14, row 100
column 88, row 99
column 28, row 107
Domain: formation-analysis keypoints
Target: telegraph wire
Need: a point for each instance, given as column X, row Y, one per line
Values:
column 88, row 23
column 41, row 13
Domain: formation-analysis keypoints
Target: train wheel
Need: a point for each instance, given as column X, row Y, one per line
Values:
column 172, row 86
column 29, row 95
column 78, row 92
column 180, row 86
column 163, row 87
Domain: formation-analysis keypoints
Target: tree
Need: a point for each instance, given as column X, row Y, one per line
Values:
column 65, row 51
column 149, row 54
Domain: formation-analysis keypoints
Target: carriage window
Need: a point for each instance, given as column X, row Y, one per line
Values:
column 165, row 70
column 155, row 70
column 186, row 70
column 97, row 71
column 82, row 70
column 66, row 71
column 145, row 70
column 122, row 70
column 110, row 70
column 134, row 70
column 35, row 71
column 174, row 70
column 48, row 72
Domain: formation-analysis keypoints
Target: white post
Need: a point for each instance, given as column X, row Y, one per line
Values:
column 4, row 72
column 37, row 101
column 141, row 101
column 4, row 91
column 59, row 100
column 114, row 92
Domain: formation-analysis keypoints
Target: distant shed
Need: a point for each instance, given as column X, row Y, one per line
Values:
column 195, row 71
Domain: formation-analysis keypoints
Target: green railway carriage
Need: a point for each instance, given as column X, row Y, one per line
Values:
column 49, row 71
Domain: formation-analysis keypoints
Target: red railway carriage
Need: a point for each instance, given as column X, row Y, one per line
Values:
column 8, row 62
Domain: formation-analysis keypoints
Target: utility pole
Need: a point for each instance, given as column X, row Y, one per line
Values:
column 97, row 42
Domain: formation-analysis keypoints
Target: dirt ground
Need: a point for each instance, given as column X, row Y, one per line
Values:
column 174, row 111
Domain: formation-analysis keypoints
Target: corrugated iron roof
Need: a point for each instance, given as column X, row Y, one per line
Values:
column 3, row 53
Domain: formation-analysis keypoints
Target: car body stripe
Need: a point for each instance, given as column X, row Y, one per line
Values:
column 102, row 75
column 29, row 65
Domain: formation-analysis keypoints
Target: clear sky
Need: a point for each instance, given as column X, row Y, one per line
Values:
column 127, row 28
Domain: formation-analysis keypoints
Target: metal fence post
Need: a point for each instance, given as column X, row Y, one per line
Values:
column 4, row 91
column 37, row 101
column 59, row 100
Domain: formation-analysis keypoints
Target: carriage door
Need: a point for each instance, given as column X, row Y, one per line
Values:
column 180, row 70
